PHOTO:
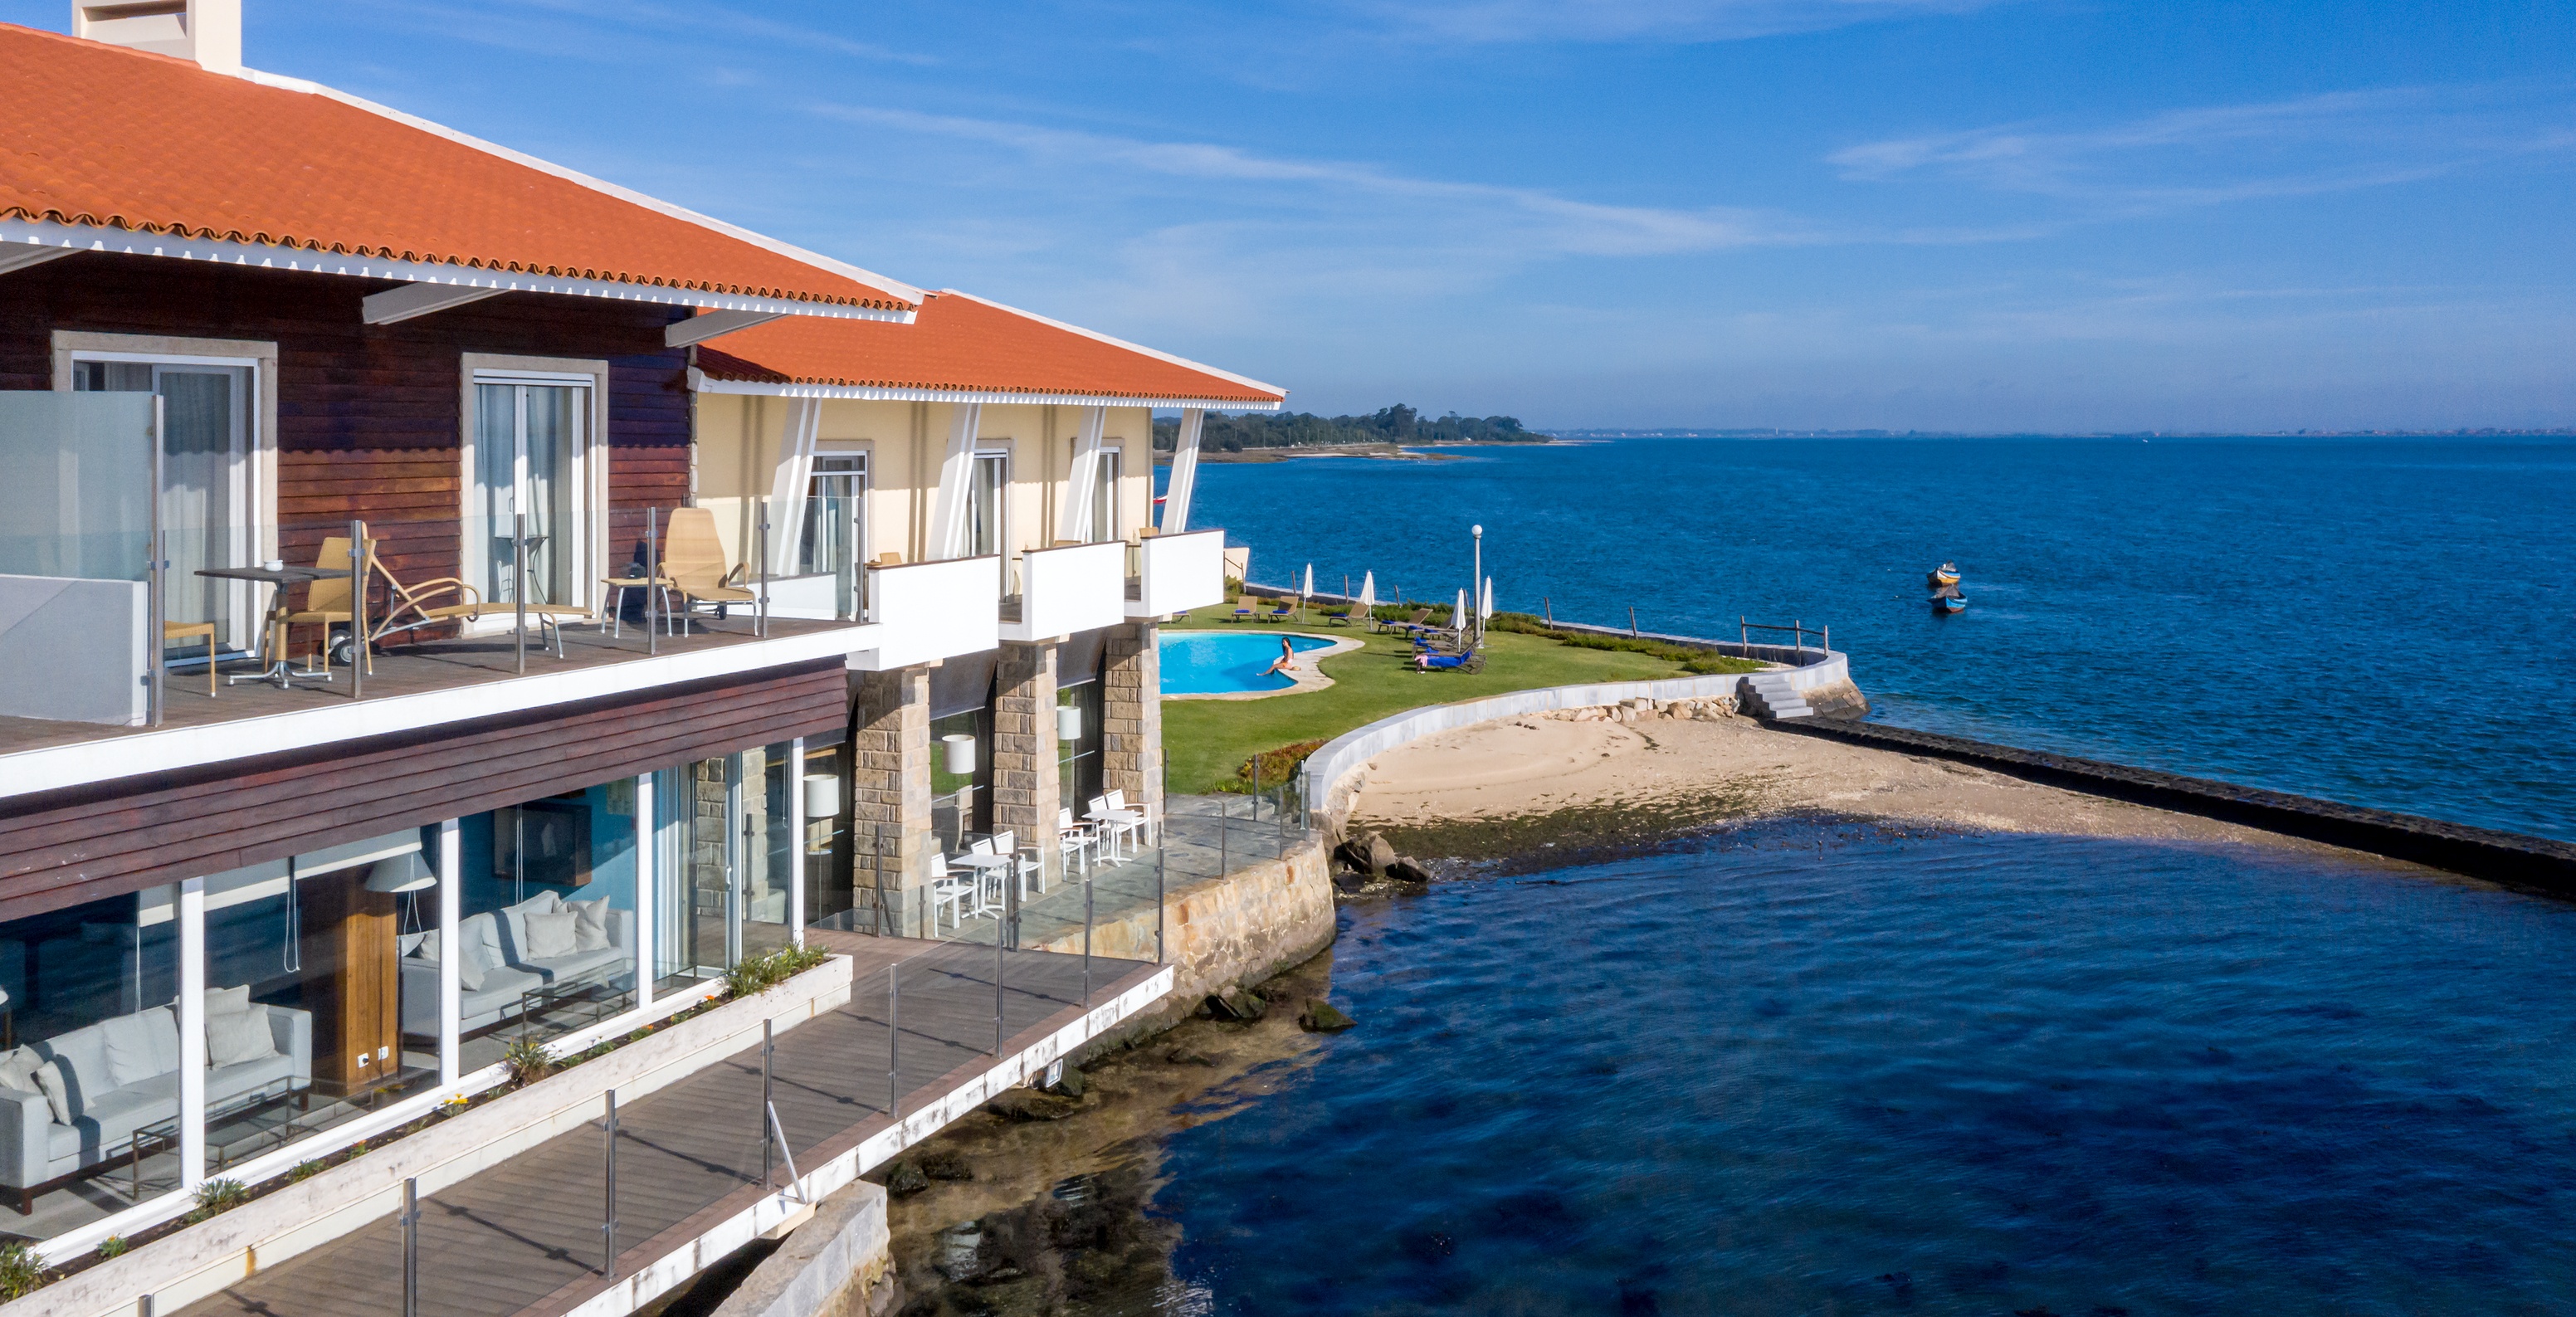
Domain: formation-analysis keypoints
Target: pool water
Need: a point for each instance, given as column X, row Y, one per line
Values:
column 1846, row 1074
column 1218, row 662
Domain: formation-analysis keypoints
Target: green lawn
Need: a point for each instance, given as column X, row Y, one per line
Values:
column 1206, row 741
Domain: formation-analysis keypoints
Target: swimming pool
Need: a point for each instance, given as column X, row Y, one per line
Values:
column 1222, row 662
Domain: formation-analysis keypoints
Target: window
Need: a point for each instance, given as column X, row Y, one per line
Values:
column 528, row 444
column 985, row 505
column 833, row 539
column 1104, row 498
column 725, row 856
column 208, row 516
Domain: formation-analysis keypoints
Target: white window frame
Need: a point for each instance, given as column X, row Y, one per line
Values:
column 588, row 477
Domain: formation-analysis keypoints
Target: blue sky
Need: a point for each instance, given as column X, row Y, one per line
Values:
column 1936, row 214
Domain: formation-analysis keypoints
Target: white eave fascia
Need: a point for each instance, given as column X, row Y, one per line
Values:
column 130, row 754
column 266, row 256
column 894, row 287
column 701, row 382
column 1123, row 345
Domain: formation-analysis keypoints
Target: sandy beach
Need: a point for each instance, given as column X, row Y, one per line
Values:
column 1497, row 787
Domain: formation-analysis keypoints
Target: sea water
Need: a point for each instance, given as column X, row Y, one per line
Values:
column 1838, row 1073
column 2385, row 622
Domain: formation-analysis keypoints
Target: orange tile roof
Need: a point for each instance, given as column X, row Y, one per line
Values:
column 963, row 344
column 99, row 135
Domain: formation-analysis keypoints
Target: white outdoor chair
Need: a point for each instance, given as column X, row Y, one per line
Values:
column 992, row 865
column 1148, row 820
column 1114, row 823
column 950, row 891
column 1074, row 840
column 1024, row 861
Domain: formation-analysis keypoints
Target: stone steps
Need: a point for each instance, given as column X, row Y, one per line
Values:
column 1767, row 695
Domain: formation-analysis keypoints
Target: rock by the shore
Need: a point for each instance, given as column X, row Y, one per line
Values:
column 906, row 1179
column 1030, row 1104
column 945, row 1166
column 1408, row 871
column 1320, row 1016
column 1366, row 852
column 1184, row 1056
column 1072, row 1085
column 1240, row 1004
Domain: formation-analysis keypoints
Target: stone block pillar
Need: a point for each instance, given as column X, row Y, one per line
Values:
column 890, row 837
column 1027, row 779
column 1131, row 716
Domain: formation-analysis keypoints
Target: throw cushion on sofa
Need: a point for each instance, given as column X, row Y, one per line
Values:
column 550, row 935
column 591, row 933
column 238, row 1037
column 49, row 1077
column 137, row 1049
column 227, row 1001
column 18, row 1070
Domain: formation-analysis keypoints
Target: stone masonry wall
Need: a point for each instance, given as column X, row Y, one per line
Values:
column 890, row 793
column 1222, row 932
column 1131, row 716
column 1026, row 779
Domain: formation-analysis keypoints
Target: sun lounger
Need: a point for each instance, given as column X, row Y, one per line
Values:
column 1242, row 607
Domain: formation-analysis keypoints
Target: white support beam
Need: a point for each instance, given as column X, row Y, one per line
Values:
column 24, row 255
column 948, row 521
column 1185, row 473
column 399, row 304
column 1083, row 482
column 700, row 328
column 787, row 490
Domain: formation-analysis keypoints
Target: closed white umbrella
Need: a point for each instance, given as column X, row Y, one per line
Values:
column 1458, row 617
column 1485, row 613
column 1306, row 591
column 1368, row 597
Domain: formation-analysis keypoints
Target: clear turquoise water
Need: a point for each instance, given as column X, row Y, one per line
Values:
column 2385, row 622
column 1207, row 663
column 1822, row 1073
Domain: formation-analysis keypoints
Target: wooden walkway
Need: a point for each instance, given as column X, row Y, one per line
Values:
column 525, row 1236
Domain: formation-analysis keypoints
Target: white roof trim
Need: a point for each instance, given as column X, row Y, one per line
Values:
column 766, row 243
column 1137, row 348
column 271, row 256
column 131, row 754
column 699, row 382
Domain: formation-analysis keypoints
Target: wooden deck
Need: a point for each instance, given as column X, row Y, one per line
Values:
column 525, row 1236
column 440, row 665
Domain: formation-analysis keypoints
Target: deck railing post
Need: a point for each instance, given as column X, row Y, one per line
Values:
column 997, row 993
column 894, row 1040
column 1223, row 863
column 767, row 1153
column 358, row 558
column 652, row 580
column 1086, row 937
column 608, row 1193
column 1159, row 852
column 762, row 630
column 411, row 1248
column 156, row 580
column 519, row 582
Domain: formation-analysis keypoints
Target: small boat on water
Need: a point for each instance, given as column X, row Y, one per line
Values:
column 1944, row 584
column 1945, row 574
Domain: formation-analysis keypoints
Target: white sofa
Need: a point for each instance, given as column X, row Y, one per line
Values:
column 36, row 1150
column 496, row 940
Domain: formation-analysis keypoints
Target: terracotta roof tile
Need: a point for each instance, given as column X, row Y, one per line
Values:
column 93, row 134
column 960, row 343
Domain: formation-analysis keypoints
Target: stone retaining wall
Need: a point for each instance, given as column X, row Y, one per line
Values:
column 840, row 1264
column 1222, row 932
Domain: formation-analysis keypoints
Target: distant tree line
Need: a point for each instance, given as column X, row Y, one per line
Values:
column 1388, row 425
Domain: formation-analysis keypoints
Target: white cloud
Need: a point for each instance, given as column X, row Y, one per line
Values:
column 2337, row 142
column 1641, row 20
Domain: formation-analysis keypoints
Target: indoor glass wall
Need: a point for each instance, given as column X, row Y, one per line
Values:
column 89, row 1085
column 547, row 920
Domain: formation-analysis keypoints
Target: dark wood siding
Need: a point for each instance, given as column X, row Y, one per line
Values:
column 62, row 848
column 368, row 420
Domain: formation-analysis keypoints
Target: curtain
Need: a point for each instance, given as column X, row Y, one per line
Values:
column 552, row 415
column 496, row 476
column 1104, row 498
column 201, row 518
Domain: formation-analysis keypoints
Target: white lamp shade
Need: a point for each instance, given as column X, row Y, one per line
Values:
column 406, row 872
column 822, row 796
column 1068, row 722
column 960, row 751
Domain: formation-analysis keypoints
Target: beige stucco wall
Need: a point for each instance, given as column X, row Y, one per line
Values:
column 741, row 440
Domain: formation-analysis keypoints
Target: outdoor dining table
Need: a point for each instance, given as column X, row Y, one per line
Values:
column 278, row 668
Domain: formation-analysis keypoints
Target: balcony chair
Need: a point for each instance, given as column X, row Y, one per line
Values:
column 182, row 630
column 326, row 603
column 694, row 560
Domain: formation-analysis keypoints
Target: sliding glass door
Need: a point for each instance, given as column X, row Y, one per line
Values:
column 527, row 445
column 833, row 539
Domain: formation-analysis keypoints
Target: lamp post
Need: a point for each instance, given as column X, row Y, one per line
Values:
column 1476, row 583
